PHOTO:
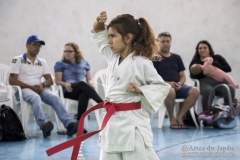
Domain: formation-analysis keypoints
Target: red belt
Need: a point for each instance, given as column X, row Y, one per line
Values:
column 111, row 109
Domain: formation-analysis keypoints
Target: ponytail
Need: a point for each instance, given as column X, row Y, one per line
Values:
column 145, row 44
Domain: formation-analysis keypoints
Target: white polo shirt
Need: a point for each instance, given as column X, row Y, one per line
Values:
column 28, row 72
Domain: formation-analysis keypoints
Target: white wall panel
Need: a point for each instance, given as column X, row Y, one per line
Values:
column 61, row 21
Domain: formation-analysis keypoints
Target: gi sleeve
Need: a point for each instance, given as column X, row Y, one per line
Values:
column 155, row 89
column 101, row 40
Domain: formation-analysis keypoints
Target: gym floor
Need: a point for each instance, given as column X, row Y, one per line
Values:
column 169, row 144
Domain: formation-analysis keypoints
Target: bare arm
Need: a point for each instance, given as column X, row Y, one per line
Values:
column 182, row 77
column 13, row 80
column 89, row 79
column 98, row 25
column 182, row 80
column 58, row 80
column 48, row 80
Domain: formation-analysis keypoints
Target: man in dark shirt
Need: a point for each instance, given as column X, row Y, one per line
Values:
column 171, row 69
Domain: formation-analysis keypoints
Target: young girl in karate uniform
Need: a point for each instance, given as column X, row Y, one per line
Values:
column 128, row 44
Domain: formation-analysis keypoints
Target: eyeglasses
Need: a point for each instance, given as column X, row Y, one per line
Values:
column 68, row 51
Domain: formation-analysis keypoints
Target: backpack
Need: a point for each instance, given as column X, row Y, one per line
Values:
column 187, row 119
column 221, row 115
column 11, row 128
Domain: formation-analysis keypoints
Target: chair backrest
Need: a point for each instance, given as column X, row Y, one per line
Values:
column 4, row 73
column 100, row 81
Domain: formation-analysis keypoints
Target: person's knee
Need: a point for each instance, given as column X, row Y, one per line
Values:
column 194, row 91
column 35, row 99
column 171, row 95
column 54, row 98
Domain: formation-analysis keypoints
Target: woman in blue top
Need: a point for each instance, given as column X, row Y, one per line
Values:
column 73, row 74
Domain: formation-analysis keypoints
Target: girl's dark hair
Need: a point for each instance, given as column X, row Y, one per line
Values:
column 196, row 55
column 143, row 42
column 78, row 53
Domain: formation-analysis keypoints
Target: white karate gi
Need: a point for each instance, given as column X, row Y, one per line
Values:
column 119, row 135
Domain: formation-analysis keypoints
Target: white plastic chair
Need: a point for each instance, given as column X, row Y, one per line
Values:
column 5, row 87
column 4, row 73
column 12, row 102
column 6, row 95
column 4, row 70
column 71, row 106
column 26, row 111
column 162, row 111
column 198, row 107
column 99, row 80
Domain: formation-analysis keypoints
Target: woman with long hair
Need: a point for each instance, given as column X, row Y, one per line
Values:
column 73, row 74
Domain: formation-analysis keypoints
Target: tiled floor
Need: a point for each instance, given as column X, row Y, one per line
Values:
column 190, row 144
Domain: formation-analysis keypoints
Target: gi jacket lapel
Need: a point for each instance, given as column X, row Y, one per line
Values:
column 122, row 69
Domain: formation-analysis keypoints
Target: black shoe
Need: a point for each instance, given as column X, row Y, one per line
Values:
column 65, row 132
column 62, row 132
column 205, row 124
column 72, row 128
column 47, row 128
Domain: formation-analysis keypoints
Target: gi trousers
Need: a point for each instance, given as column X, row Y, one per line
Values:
column 141, row 152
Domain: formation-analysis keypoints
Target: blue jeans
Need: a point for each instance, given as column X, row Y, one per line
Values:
column 35, row 100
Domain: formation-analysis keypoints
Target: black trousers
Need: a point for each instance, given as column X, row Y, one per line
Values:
column 206, row 85
column 82, row 92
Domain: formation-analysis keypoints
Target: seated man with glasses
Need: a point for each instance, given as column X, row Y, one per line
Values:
column 171, row 69
column 27, row 71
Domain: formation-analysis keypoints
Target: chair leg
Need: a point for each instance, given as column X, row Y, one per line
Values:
column 67, row 107
column 97, row 114
column 193, row 116
column 85, row 122
column 161, row 115
column 25, row 108
column 201, row 124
